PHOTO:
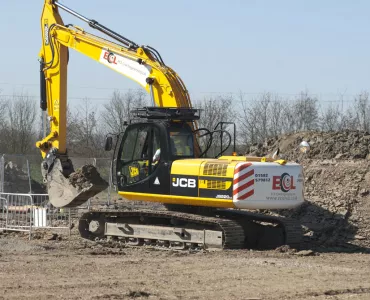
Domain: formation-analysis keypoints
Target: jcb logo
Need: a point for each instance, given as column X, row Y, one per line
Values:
column 285, row 182
column 184, row 182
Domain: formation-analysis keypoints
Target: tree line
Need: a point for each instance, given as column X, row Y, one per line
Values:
column 263, row 116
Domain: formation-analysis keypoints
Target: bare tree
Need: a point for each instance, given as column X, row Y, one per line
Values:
column 88, row 123
column 73, row 127
column 82, row 130
column 215, row 110
column 3, row 108
column 261, row 107
column 276, row 116
column 306, row 112
column 117, row 111
column 331, row 119
column 20, row 129
column 349, row 120
column 362, row 110
column 248, row 119
column 289, row 117
column 261, row 117
column 269, row 115
column 212, row 111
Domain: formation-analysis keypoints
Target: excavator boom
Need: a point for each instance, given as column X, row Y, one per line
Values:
column 141, row 64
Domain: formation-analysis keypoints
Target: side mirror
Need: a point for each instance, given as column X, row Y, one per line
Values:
column 108, row 143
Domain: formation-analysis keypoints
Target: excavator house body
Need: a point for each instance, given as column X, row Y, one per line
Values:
column 180, row 178
column 253, row 192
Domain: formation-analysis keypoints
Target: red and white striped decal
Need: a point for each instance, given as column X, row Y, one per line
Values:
column 243, row 184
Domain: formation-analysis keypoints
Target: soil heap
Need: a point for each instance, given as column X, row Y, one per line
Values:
column 16, row 180
column 86, row 176
column 336, row 212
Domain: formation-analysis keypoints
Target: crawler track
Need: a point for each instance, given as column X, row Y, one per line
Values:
column 232, row 231
column 239, row 229
column 290, row 229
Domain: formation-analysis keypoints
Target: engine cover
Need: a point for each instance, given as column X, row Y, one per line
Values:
column 242, row 184
column 261, row 185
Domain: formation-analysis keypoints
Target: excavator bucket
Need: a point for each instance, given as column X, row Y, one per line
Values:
column 75, row 190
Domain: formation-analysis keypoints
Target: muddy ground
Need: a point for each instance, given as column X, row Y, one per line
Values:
column 78, row 269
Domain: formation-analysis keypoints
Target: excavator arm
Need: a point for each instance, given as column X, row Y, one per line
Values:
column 142, row 64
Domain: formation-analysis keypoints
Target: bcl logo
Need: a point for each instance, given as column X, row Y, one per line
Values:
column 285, row 182
column 184, row 182
column 110, row 57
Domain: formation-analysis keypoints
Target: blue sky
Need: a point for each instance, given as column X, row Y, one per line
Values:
column 215, row 46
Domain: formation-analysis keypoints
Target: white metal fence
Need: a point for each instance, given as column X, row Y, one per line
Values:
column 24, row 204
column 30, row 212
column 2, row 165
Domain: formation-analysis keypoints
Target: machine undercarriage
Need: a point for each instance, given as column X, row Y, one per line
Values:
column 207, row 229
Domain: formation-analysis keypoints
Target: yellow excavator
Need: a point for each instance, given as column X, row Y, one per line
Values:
column 160, row 157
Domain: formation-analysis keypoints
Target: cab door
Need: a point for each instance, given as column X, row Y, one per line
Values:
column 140, row 160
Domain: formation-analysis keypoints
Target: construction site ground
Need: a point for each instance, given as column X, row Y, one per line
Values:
column 59, row 267
column 333, row 261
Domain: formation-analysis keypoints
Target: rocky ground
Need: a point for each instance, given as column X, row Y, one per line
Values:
column 336, row 213
column 337, row 208
column 334, row 265
column 56, row 267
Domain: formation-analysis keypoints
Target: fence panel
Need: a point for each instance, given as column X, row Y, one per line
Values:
column 103, row 165
column 48, row 216
column 3, row 212
column 29, row 212
column 16, row 176
column 2, row 173
column 34, row 171
column 18, row 212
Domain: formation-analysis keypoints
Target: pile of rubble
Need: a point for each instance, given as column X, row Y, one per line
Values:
column 340, row 145
column 337, row 186
column 16, row 180
column 337, row 208
column 86, row 176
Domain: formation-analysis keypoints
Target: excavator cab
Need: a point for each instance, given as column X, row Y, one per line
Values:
column 147, row 149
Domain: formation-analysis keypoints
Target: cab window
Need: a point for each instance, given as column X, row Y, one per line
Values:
column 181, row 142
column 136, row 158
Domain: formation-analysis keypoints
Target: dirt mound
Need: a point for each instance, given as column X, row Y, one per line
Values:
column 16, row 180
column 324, row 145
column 337, row 186
column 85, row 176
column 337, row 208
